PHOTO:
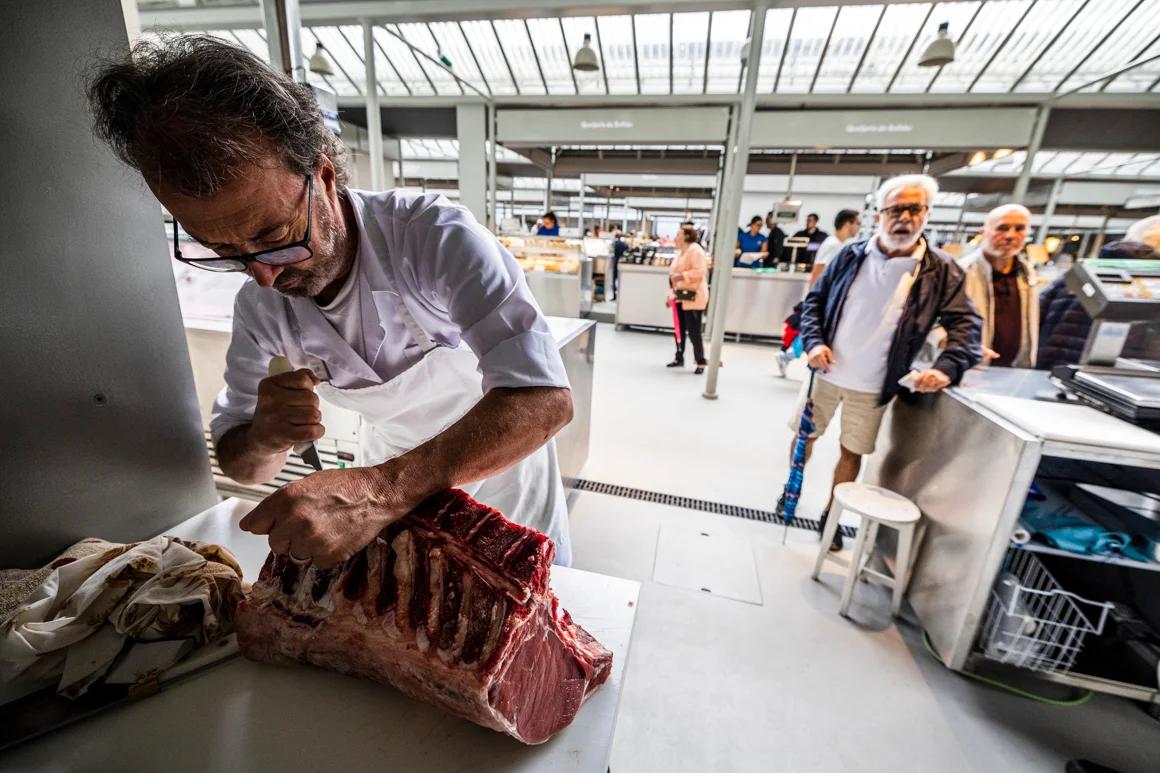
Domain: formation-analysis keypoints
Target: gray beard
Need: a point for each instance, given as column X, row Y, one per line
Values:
column 331, row 263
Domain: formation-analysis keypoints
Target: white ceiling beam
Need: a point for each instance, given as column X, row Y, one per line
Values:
column 1093, row 100
column 382, row 11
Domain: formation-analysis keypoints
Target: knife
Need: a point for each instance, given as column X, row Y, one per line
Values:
column 306, row 451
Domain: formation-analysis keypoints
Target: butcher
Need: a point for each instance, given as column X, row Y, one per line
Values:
column 397, row 306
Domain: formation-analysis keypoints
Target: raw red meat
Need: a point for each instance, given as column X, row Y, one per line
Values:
column 451, row 605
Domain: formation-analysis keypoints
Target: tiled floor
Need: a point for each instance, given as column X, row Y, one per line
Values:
column 715, row 684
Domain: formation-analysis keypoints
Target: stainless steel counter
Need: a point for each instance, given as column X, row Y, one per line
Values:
column 758, row 302
column 558, row 294
column 967, row 458
column 577, row 341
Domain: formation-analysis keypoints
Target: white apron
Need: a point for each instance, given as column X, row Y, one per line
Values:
column 429, row 397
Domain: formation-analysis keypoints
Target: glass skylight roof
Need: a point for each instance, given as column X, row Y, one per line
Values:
column 1025, row 46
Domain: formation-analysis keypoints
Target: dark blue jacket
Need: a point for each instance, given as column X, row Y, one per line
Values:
column 938, row 296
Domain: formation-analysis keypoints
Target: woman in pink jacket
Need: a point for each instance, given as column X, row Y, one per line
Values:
column 689, row 279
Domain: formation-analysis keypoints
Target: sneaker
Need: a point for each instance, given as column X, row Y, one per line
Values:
column 700, row 369
column 837, row 544
column 781, row 364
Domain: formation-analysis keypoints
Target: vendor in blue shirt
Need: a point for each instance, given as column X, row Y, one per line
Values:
column 751, row 240
column 549, row 225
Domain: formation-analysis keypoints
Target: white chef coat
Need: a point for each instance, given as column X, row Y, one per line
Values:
column 870, row 317
column 457, row 281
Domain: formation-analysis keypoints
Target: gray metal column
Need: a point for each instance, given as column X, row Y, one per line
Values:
column 401, row 177
column 283, row 23
column 718, row 185
column 374, row 117
column 1041, row 117
column 492, row 201
column 581, row 220
column 1049, row 210
column 548, row 187
column 1101, row 235
column 737, row 162
column 471, row 129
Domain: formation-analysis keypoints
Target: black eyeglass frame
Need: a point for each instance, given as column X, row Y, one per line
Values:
column 895, row 211
column 236, row 263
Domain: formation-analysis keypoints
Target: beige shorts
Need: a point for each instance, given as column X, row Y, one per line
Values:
column 861, row 414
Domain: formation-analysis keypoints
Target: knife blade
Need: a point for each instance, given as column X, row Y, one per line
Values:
column 308, row 452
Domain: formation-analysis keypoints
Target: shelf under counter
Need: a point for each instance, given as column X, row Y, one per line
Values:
column 968, row 462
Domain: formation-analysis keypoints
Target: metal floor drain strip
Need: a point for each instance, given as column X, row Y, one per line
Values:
column 704, row 505
column 296, row 469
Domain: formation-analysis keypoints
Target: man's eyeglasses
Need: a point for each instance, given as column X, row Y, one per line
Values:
column 894, row 213
column 295, row 252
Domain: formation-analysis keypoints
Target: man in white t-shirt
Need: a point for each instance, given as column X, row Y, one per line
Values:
column 847, row 224
column 867, row 316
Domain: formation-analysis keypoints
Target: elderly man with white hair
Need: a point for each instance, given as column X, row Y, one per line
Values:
column 866, row 318
column 1001, row 284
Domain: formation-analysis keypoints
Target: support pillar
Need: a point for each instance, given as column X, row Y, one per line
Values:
column 1049, row 210
column 471, row 130
column 736, row 165
column 283, row 23
column 1041, row 117
column 374, row 117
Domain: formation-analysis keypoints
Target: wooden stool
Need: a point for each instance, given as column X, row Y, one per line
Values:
column 877, row 507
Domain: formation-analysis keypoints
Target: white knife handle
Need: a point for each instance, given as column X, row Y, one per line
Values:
column 278, row 366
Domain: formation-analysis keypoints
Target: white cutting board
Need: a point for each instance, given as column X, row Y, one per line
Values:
column 1076, row 424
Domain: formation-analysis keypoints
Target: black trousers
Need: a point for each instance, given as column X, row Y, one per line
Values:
column 691, row 330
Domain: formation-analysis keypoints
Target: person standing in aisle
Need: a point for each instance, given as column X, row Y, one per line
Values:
column 775, row 242
column 814, row 234
column 619, row 247
column 749, row 241
column 549, row 225
column 866, row 319
column 1001, row 284
column 846, row 227
column 689, row 277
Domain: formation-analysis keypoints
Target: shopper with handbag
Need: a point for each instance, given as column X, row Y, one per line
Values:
column 689, row 279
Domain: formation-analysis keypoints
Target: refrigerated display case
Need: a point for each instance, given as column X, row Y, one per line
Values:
column 558, row 272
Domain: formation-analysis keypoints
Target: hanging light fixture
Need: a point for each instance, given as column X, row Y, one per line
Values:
column 978, row 157
column 585, row 59
column 941, row 50
column 319, row 63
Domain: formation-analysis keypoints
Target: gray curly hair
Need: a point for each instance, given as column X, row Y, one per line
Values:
column 195, row 112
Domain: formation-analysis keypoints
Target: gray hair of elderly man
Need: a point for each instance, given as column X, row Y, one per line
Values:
column 1146, row 231
column 1006, row 209
column 927, row 183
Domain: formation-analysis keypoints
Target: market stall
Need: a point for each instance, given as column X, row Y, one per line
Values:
column 759, row 302
column 558, row 271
